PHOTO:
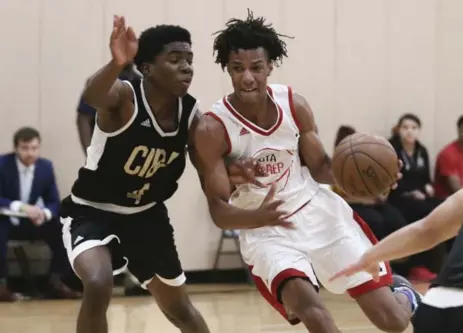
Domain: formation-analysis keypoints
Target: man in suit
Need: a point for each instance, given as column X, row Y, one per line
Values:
column 28, row 186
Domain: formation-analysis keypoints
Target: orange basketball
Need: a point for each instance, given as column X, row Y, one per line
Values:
column 365, row 165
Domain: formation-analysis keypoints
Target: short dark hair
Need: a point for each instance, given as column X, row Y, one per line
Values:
column 460, row 122
column 409, row 116
column 25, row 134
column 249, row 34
column 152, row 41
column 343, row 132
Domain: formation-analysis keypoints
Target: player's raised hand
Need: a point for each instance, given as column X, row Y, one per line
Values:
column 245, row 170
column 363, row 265
column 123, row 42
column 269, row 213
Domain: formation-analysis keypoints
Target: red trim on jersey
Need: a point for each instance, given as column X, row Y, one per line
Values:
column 272, row 296
column 251, row 125
column 385, row 280
column 227, row 136
column 292, row 108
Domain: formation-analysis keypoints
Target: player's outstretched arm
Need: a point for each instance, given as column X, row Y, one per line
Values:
column 441, row 224
column 104, row 90
column 311, row 148
column 210, row 148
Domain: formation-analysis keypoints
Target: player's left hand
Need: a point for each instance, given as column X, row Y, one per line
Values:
column 399, row 174
column 245, row 170
column 363, row 265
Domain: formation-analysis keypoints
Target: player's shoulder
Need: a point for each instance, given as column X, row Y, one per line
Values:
column 218, row 106
column 280, row 91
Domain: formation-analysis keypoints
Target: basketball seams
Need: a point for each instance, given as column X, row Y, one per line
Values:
column 370, row 157
column 358, row 171
column 339, row 152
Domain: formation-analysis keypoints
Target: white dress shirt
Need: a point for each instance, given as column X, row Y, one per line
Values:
column 26, row 179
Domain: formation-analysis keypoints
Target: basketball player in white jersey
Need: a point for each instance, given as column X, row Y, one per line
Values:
column 442, row 307
column 292, row 230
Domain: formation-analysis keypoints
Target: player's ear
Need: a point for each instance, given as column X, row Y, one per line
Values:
column 228, row 69
column 146, row 69
column 270, row 68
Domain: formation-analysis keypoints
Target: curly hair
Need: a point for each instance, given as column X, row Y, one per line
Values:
column 152, row 41
column 249, row 34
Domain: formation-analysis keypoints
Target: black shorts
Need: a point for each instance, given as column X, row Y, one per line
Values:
column 429, row 319
column 142, row 242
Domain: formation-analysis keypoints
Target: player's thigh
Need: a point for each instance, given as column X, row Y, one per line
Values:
column 91, row 243
column 148, row 241
column 276, row 264
column 350, row 239
column 429, row 319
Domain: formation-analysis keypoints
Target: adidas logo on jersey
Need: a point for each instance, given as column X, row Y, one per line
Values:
column 244, row 131
column 146, row 123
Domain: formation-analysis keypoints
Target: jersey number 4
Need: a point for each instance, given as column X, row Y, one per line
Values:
column 138, row 194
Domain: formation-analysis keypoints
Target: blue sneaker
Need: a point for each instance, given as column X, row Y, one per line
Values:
column 402, row 285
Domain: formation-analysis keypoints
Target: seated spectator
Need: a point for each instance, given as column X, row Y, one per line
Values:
column 27, row 185
column 449, row 166
column 86, row 113
column 414, row 196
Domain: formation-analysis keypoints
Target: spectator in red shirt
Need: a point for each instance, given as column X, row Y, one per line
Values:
column 449, row 166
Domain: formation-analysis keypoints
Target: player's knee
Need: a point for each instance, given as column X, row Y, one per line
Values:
column 314, row 315
column 98, row 287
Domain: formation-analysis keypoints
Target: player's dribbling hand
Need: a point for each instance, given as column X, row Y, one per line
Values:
column 269, row 212
column 363, row 265
column 123, row 42
column 399, row 174
column 245, row 170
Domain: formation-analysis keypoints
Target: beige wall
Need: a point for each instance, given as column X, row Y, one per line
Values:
column 360, row 62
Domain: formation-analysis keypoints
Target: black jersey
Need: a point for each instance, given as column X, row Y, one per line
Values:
column 451, row 274
column 140, row 163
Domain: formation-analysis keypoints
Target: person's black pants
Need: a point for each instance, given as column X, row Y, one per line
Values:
column 49, row 232
column 385, row 219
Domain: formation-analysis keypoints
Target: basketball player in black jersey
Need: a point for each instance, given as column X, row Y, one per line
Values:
column 441, row 310
column 115, row 217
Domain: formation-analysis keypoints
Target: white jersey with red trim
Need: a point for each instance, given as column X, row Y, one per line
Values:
column 276, row 149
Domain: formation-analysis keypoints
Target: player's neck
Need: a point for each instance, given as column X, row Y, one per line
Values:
column 409, row 147
column 253, row 111
column 158, row 100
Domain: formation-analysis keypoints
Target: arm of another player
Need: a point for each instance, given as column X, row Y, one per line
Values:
column 311, row 148
column 210, row 148
column 104, row 91
column 441, row 224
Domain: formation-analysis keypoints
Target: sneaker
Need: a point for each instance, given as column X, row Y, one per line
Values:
column 402, row 285
column 421, row 274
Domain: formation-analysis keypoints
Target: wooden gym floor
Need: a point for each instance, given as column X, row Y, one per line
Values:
column 226, row 308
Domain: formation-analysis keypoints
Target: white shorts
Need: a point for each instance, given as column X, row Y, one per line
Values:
column 327, row 237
